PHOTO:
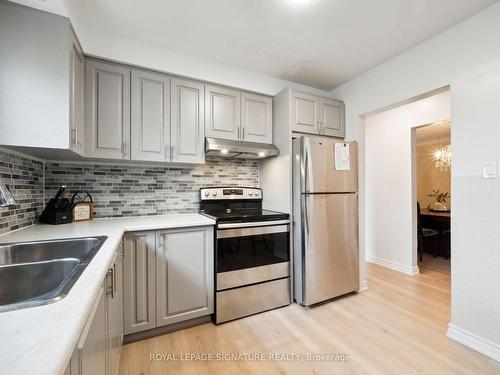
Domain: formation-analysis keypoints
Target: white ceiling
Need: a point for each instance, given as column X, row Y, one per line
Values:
column 439, row 132
column 322, row 43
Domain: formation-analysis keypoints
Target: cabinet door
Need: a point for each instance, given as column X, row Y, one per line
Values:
column 139, row 282
column 188, row 121
column 304, row 113
column 222, row 113
column 184, row 274
column 150, row 129
column 90, row 355
column 256, row 118
column 331, row 117
column 114, row 290
column 77, row 97
column 108, row 111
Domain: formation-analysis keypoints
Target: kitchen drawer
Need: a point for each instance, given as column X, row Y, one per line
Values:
column 239, row 302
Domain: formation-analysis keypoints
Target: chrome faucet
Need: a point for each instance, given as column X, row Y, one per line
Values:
column 6, row 198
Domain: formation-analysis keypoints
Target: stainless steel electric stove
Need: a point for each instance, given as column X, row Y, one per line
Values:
column 252, row 252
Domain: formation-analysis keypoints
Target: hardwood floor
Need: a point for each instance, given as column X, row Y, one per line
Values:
column 397, row 326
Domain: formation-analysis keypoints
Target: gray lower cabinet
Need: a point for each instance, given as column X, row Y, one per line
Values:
column 188, row 121
column 150, row 126
column 115, row 312
column 107, row 103
column 184, row 275
column 99, row 346
column 92, row 345
column 139, row 281
column 168, row 277
column 89, row 356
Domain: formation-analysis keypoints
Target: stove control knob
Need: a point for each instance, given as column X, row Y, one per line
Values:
column 214, row 193
column 250, row 193
column 207, row 194
column 257, row 193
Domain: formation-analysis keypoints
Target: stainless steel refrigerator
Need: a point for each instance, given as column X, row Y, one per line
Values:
column 325, row 217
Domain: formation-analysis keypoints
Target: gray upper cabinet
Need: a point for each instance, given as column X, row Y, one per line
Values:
column 77, row 97
column 184, row 274
column 187, row 121
column 222, row 112
column 304, row 113
column 256, row 118
column 41, row 81
column 107, row 110
column 150, row 127
column 317, row 115
column 331, row 114
column 139, row 282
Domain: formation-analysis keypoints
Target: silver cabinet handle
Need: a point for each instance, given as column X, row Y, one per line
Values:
column 124, row 152
column 110, row 288
column 76, row 135
column 239, row 133
column 114, row 281
column 162, row 240
column 243, row 134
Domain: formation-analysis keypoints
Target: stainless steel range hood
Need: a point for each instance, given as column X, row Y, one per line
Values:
column 239, row 150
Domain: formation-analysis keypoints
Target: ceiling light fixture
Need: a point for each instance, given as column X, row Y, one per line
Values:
column 262, row 154
column 300, row 2
column 223, row 151
column 443, row 157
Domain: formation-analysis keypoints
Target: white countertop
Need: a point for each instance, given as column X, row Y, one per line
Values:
column 41, row 339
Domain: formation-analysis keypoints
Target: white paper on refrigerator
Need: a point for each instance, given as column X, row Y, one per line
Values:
column 342, row 157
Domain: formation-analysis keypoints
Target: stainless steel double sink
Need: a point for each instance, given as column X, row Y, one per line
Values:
column 40, row 272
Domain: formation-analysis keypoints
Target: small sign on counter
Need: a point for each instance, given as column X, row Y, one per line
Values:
column 342, row 157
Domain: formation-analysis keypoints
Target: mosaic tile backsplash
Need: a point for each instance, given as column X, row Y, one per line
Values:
column 24, row 176
column 122, row 190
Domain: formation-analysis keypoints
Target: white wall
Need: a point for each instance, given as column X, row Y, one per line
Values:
column 390, row 234
column 466, row 57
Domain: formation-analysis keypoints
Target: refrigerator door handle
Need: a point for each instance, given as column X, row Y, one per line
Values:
column 305, row 220
column 305, row 166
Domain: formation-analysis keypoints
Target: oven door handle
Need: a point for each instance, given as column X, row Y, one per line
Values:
column 252, row 231
column 252, row 224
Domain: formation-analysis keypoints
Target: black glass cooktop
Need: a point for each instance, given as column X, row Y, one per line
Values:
column 244, row 215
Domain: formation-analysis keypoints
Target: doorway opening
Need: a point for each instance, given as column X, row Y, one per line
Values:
column 388, row 182
column 432, row 178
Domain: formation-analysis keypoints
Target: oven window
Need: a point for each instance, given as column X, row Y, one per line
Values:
column 246, row 250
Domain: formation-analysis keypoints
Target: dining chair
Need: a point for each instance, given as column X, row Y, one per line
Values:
column 425, row 233
column 447, row 240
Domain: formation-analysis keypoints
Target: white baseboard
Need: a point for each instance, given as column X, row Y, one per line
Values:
column 412, row 271
column 363, row 285
column 473, row 341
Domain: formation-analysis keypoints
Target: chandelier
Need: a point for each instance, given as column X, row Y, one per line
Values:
column 443, row 157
